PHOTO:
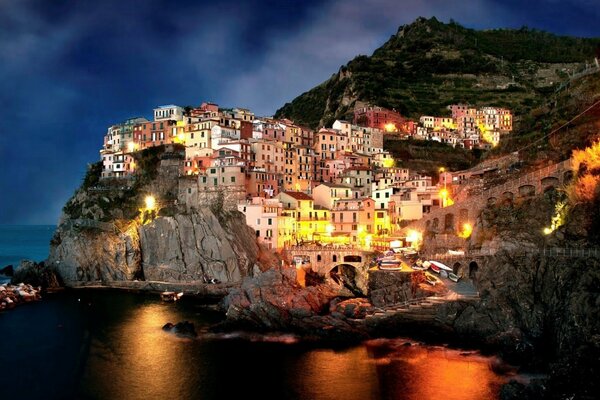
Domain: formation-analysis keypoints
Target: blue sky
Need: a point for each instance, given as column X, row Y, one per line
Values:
column 71, row 68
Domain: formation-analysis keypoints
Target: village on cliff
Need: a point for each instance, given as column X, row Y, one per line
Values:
column 335, row 186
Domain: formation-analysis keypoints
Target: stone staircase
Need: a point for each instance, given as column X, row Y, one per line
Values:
column 420, row 309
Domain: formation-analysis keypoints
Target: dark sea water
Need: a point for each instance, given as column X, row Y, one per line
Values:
column 110, row 345
column 18, row 242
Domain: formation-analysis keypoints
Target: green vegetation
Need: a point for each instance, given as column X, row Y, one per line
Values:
column 428, row 65
column 427, row 157
column 112, row 199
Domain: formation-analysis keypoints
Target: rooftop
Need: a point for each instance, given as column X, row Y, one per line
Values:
column 298, row 195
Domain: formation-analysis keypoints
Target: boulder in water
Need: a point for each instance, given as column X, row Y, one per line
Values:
column 184, row 329
column 8, row 270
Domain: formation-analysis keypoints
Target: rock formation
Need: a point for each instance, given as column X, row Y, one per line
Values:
column 274, row 302
column 191, row 247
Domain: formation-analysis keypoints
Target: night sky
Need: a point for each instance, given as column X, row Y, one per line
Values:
column 69, row 69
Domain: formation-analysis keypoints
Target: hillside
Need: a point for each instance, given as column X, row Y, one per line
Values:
column 428, row 64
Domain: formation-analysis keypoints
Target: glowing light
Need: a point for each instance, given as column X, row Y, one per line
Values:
column 388, row 163
column 415, row 238
column 446, row 199
column 486, row 135
column 329, row 228
column 466, row 231
column 150, row 202
column 560, row 212
column 131, row 147
column 390, row 127
column 442, row 169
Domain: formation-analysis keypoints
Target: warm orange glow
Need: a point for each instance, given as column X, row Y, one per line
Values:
column 487, row 135
column 150, row 202
column 585, row 163
column 390, row 127
column 445, row 197
column 466, row 231
column 131, row 147
column 415, row 238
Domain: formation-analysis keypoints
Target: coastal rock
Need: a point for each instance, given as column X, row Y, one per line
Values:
column 37, row 274
column 272, row 301
column 183, row 329
column 13, row 295
column 83, row 253
column 8, row 270
column 196, row 247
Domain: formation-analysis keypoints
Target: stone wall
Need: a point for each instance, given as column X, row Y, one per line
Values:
column 389, row 287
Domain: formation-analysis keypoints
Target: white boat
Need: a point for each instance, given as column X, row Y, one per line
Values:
column 453, row 277
column 437, row 266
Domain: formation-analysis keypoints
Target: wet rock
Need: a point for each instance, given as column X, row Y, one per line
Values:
column 8, row 270
column 37, row 274
column 183, row 329
column 13, row 295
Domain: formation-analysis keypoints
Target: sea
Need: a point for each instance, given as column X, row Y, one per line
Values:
column 105, row 344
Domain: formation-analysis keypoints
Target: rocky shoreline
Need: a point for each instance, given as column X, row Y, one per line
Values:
column 14, row 295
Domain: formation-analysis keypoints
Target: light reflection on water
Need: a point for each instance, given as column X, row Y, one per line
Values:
column 121, row 352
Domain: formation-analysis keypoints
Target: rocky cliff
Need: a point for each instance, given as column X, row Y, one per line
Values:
column 102, row 237
column 193, row 247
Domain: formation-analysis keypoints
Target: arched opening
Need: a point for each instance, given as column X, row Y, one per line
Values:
column 449, row 222
column 345, row 275
column 318, row 257
column 526, row 190
column 549, row 182
column 473, row 267
column 456, row 267
column 353, row 258
column 435, row 223
column 334, row 258
column 508, row 196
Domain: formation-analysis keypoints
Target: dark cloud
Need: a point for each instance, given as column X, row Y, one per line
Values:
column 71, row 68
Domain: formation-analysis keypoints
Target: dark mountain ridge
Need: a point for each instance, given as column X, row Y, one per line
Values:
column 429, row 64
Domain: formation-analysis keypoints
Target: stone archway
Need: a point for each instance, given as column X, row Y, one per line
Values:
column 549, row 182
column 526, row 190
column 449, row 222
column 473, row 269
column 346, row 275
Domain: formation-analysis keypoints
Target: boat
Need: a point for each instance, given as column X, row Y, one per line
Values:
column 453, row 277
column 431, row 279
column 171, row 296
column 437, row 266
column 390, row 264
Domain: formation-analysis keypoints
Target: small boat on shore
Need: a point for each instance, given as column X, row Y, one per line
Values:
column 171, row 296
column 437, row 266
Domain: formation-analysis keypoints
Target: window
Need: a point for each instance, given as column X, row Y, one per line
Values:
column 354, row 227
column 387, row 195
column 379, row 215
column 377, row 195
column 270, row 221
column 258, row 221
column 233, row 179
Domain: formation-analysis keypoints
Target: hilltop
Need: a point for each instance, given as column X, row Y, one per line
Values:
column 428, row 64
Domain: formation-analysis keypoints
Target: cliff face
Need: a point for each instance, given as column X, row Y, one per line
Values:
column 183, row 248
column 192, row 247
